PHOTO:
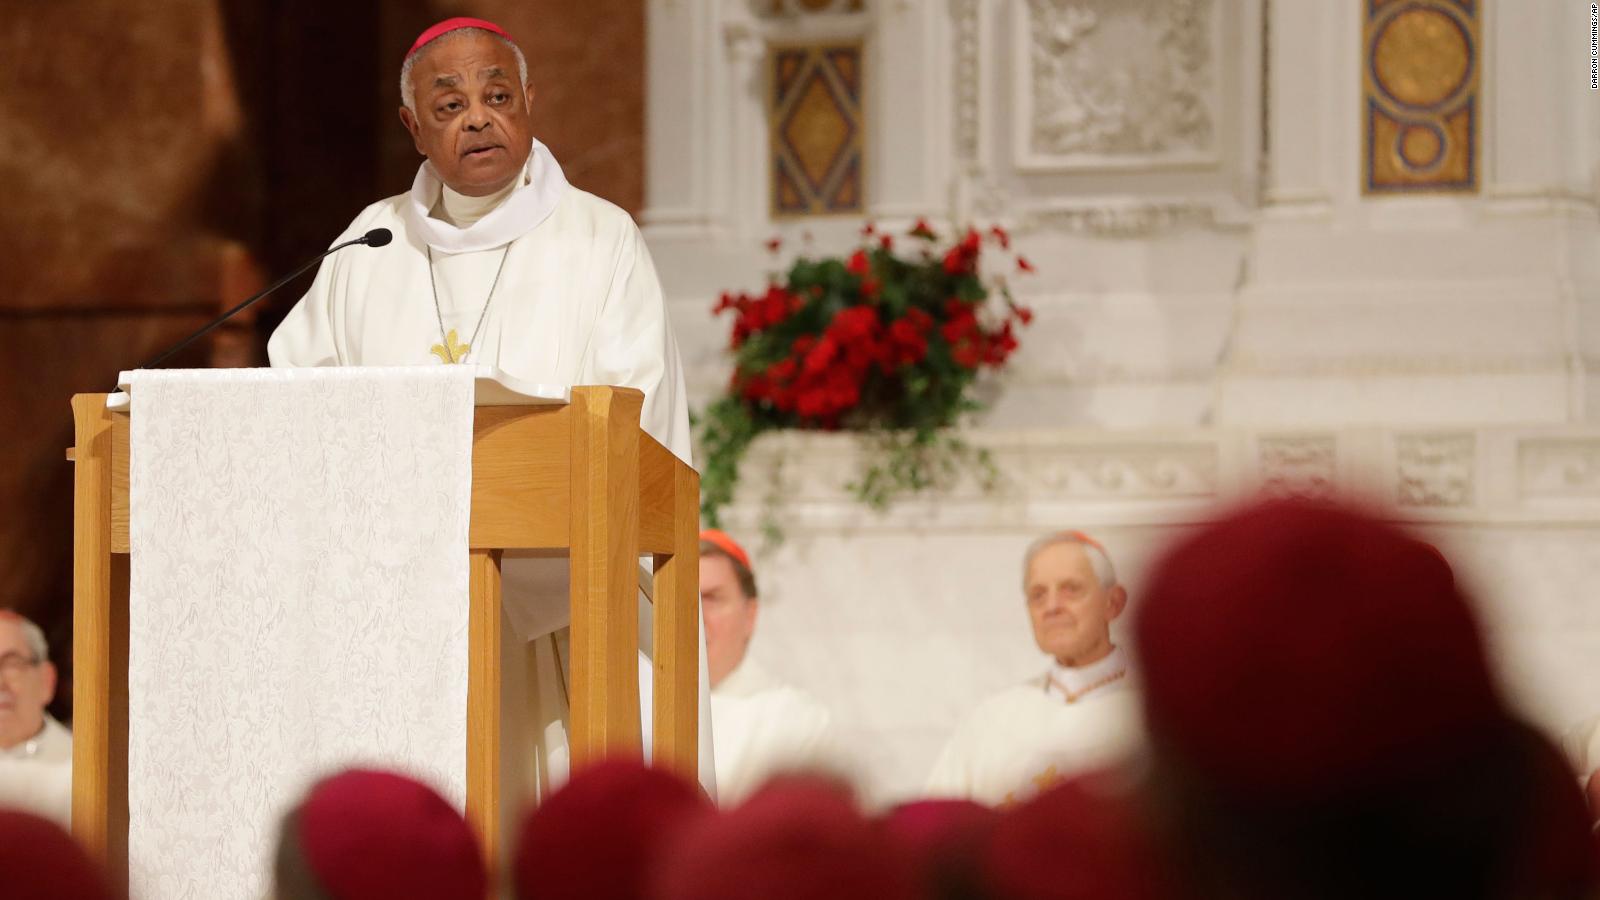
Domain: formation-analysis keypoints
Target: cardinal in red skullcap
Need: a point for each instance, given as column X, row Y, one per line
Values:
column 797, row 838
column 764, row 727
column 1323, row 718
column 493, row 260
column 370, row 835
column 600, row 835
column 1083, row 839
column 40, row 861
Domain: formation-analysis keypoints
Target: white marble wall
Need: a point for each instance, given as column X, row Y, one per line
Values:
column 1213, row 285
column 903, row 621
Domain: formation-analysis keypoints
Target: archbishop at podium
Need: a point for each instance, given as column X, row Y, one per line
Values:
column 497, row 260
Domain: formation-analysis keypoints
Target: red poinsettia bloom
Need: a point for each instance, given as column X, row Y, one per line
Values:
column 773, row 243
column 783, row 370
column 1000, row 346
column 910, row 343
column 967, row 355
column 854, row 324
column 821, row 356
column 963, row 257
column 844, row 390
column 921, row 229
column 757, row 388
column 886, row 242
column 1023, row 264
column 870, row 288
column 812, row 402
column 1002, row 236
column 858, row 263
column 1025, row 314
column 959, row 327
column 869, row 229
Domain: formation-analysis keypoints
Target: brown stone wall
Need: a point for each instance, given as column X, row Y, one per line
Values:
column 157, row 159
column 586, row 61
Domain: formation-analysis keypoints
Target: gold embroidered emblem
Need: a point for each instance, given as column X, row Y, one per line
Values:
column 451, row 350
column 1042, row 782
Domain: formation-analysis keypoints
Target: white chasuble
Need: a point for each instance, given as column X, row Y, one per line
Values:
column 764, row 728
column 297, row 603
column 36, row 775
column 554, row 286
column 1047, row 729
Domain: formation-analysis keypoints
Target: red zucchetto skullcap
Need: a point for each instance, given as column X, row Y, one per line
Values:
column 797, row 838
column 40, row 861
column 456, row 24
column 727, row 545
column 369, row 835
column 941, row 840
column 1295, row 648
column 1082, row 839
column 600, row 835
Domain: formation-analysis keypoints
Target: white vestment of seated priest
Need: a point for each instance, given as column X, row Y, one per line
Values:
column 547, row 282
column 1069, row 721
column 765, row 728
column 36, row 775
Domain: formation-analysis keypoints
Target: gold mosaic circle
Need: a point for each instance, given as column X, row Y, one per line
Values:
column 1420, row 57
column 1420, row 146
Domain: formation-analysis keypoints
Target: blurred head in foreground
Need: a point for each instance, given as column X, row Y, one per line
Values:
column 798, row 838
column 40, row 861
column 1323, row 718
column 366, row 835
column 600, row 835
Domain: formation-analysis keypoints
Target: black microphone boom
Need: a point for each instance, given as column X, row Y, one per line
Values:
column 377, row 237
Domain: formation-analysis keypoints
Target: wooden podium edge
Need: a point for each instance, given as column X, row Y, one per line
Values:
column 99, row 647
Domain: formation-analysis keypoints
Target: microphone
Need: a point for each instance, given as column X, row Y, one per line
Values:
column 377, row 237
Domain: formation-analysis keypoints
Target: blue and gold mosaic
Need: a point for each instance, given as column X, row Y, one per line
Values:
column 1420, row 78
column 814, row 113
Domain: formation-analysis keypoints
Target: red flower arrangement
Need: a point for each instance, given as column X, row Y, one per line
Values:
column 876, row 342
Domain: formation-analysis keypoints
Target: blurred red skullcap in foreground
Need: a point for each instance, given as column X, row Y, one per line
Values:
column 370, row 835
column 40, row 861
column 600, row 835
column 1083, row 839
column 797, row 838
column 1295, row 648
column 941, row 840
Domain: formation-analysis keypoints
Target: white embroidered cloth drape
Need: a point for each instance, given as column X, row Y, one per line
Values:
column 298, row 603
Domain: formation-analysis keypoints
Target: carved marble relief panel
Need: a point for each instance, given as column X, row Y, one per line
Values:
column 1115, row 83
column 1435, row 469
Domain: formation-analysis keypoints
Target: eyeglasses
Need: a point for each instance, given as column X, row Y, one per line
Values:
column 13, row 664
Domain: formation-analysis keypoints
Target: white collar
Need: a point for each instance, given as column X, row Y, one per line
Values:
column 1080, row 680
column 530, row 204
column 49, row 733
column 746, row 679
column 463, row 210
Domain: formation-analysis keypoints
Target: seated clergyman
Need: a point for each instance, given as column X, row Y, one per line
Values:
column 1079, row 714
column 35, row 749
column 759, row 725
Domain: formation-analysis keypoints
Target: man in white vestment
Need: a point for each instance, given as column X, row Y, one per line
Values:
column 497, row 261
column 762, row 726
column 35, row 749
column 1078, row 715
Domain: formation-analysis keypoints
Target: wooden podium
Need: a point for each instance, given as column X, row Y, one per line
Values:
column 580, row 480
